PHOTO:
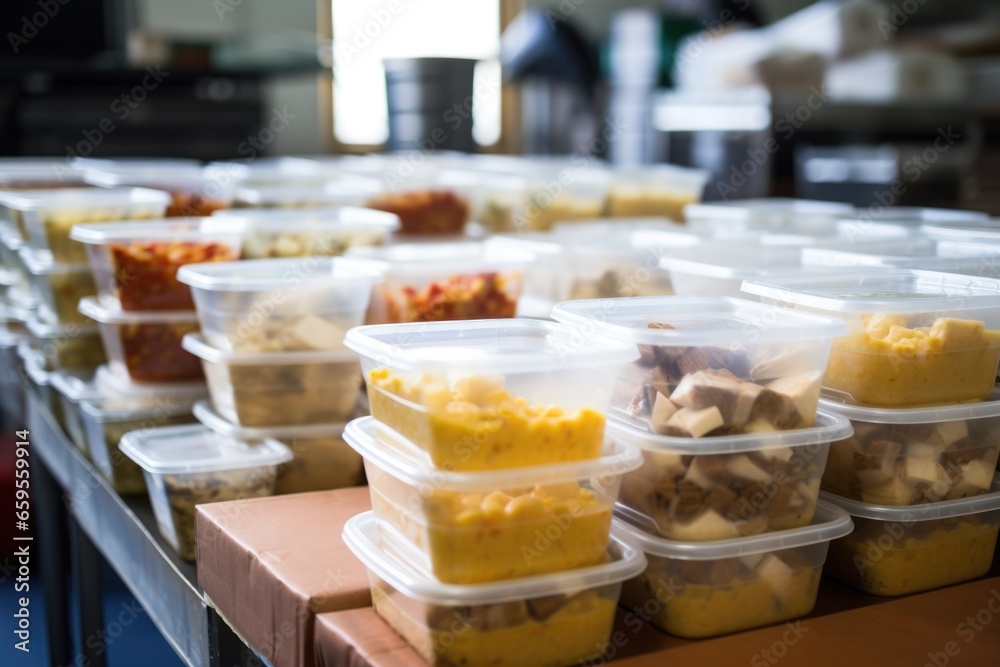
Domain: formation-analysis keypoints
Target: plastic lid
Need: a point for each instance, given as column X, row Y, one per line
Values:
column 10, row 238
column 290, row 273
column 485, row 346
column 34, row 364
column 193, row 448
column 925, row 415
column 110, row 382
column 195, row 344
column 697, row 321
column 37, row 266
column 868, row 290
column 185, row 176
column 120, row 408
column 361, row 535
column 35, row 200
column 979, row 230
column 853, row 228
column 661, row 174
column 207, row 415
column 8, row 277
column 107, row 311
column 74, row 385
column 904, row 256
column 923, row 512
column 829, row 522
column 164, row 229
column 347, row 191
column 125, row 164
column 462, row 257
column 919, row 214
column 408, row 464
column 45, row 330
column 734, row 262
column 322, row 219
column 751, row 209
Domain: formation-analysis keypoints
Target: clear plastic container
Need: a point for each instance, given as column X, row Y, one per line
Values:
column 66, row 345
column 145, row 346
column 137, row 262
column 900, row 550
column 275, row 305
column 914, row 456
column 348, row 192
column 916, row 337
column 431, row 201
column 107, row 419
column 696, row 590
column 862, row 230
column 772, row 213
column 312, row 232
column 916, row 215
column 904, row 256
column 427, row 282
column 476, row 527
column 33, row 364
column 322, row 460
column 654, row 190
column 979, row 230
column 719, row 270
column 49, row 215
column 58, row 288
column 185, row 466
column 491, row 394
column 274, row 389
column 72, row 387
column 194, row 190
column 554, row 619
column 564, row 195
column 710, row 366
column 699, row 490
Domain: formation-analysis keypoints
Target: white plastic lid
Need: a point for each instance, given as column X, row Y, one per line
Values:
column 777, row 207
column 346, row 192
column 289, row 273
column 869, row 290
column 34, row 364
column 195, row 344
column 123, row 408
column 47, row 331
column 46, row 267
column 461, row 257
column 485, row 346
column 322, row 219
column 904, row 256
column 8, row 277
column 107, row 311
column 84, row 198
column 697, row 321
column 985, row 229
column 109, row 382
column 125, row 164
column 411, row 467
column 989, row 407
column 164, row 229
column 361, row 535
column 916, row 214
column 854, row 229
column 206, row 414
column 184, row 176
column 925, row 511
column 193, row 448
column 734, row 261
column 829, row 522
column 74, row 385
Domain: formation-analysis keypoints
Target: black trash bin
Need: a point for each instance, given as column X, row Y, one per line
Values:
column 421, row 94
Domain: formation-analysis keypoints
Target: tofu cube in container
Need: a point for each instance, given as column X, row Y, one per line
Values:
column 58, row 288
column 281, row 305
column 915, row 455
column 773, row 214
column 899, row 550
column 475, row 527
column 704, row 489
column 313, row 232
column 186, row 466
column 916, row 337
column 270, row 389
column 322, row 459
column 66, row 345
column 136, row 262
column 696, row 590
column 719, row 270
column 561, row 618
column 145, row 345
column 710, row 366
column 490, row 394
column 659, row 190
column 194, row 190
column 428, row 282
column 49, row 215
column 73, row 387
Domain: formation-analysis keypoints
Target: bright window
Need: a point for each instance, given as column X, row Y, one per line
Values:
column 366, row 31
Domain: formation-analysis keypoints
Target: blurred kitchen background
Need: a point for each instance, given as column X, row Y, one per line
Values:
column 829, row 100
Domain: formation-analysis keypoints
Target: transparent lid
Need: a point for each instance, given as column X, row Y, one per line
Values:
column 989, row 407
column 460, row 257
column 195, row 344
column 123, row 408
column 869, row 290
column 206, row 414
column 923, row 512
column 734, row 261
column 34, row 364
column 853, row 229
column 291, row 273
column 485, row 346
column 361, row 535
column 663, row 175
column 916, row 214
column 164, row 229
column 984, row 229
column 318, row 219
column 10, row 238
column 697, row 321
column 351, row 191
column 193, row 448
column 537, row 243
column 47, row 331
column 777, row 207
column 918, row 256
column 108, row 311
column 109, row 382
column 829, row 427
column 75, row 385
column 84, row 198
column 39, row 266
column 829, row 522
column 409, row 465
column 179, row 176
column 126, row 164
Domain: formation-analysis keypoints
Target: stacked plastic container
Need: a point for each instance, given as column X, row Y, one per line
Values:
column 915, row 375
column 492, row 486
column 722, row 402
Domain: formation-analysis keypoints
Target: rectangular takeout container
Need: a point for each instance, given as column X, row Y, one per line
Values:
column 696, row 590
column 703, row 489
column 710, row 366
column 49, row 215
column 900, row 550
column 145, row 346
column 719, row 270
column 917, row 455
column 66, row 345
column 72, row 387
column 916, row 337
column 773, row 214
column 137, row 262
column 561, row 618
column 661, row 190
column 322, row 460
column 905, row 255
column 272, row 389
column 189, row 465
column 475, row 527
column 58, row 288
column 274, row 305
column 194, row 190
column 492, row 393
